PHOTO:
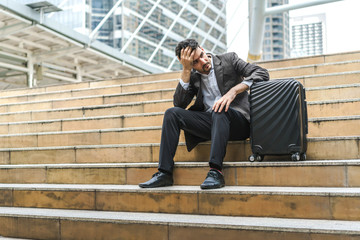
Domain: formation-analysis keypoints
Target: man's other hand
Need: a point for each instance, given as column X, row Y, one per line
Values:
column 224, row 101
column 227, row 99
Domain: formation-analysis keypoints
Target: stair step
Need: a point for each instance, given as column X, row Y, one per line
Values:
column 314, row 69
column 89, row 101
column 93, row 84
column 318, row 149
column 139, row 79
column 7, row 238
column 333, row 108
column 340, row 92
column 317, row 126
column 89, row 111
column 37, row 95
column 320, row 173
column 349, row 91
column 330, row 79
column 315, row 109
column 84, row 123
column 83, row 137
column 334, row 126
column 318, row 59
column 85, row 224
column 96, row 91
column 279, row 202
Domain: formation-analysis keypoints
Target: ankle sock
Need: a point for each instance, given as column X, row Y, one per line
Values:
column 217, row 170
column 167, row 173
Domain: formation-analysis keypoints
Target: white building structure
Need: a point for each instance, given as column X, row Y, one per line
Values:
column 147, row 29
column 308, row 35
column 37, row 51
column 276, row 44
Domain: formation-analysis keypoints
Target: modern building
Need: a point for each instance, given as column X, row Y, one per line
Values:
column 308, row 35
column 276, row 44
column 37, row 51
column 147, row 29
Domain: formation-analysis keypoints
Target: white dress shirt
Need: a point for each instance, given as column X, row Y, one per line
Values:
column 210, row 88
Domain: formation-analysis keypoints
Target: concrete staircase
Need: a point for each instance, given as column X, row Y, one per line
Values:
column 71, row 157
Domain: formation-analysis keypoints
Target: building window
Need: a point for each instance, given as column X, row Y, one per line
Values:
column 171, row 5
column 159, row 17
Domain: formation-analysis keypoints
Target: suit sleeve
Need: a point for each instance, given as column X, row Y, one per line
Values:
column 250, row 72
column 183, row 97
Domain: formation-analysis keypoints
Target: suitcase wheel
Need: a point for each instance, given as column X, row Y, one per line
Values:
column 303, row 157
column 296, row 157
column 256, row 157
column 252, row 158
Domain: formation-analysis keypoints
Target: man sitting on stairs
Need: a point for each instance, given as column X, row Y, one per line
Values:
column 220, row 112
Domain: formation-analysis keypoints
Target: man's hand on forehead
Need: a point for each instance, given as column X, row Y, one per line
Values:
column 187, row 52
column 187, row 57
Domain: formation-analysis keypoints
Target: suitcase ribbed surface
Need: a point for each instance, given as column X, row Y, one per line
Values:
column 276, row 126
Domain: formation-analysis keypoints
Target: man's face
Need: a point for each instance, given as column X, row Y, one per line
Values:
column 201, row 62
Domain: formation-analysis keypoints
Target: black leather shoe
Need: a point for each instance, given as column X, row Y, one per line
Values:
column 214, row 179
column 159, row 179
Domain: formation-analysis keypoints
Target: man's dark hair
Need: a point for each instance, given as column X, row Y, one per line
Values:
column 184, row 44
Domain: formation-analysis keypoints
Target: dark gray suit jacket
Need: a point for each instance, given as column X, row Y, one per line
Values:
column 230, row 70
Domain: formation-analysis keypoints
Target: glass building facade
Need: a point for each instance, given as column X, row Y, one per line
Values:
column 308, row 35
column 307, row 39
column 148, row 29
column 276, row 43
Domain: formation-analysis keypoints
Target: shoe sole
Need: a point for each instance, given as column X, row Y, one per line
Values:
column 168, row 185
column 212, row 187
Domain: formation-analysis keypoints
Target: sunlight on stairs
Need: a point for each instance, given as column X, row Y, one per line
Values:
column 71, row 157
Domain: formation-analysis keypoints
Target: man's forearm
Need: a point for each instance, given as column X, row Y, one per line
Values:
column 241, row 87
column 185, row 75
column 225, row 101
column 249, row 71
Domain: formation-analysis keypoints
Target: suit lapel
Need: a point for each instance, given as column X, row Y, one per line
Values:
column 219, row 73
column 199, row 97
column 199, row 94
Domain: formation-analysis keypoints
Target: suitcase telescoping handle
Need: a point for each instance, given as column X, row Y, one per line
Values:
column 306, row 118
column 305, row 111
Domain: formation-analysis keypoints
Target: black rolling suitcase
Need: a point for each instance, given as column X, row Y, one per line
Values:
column 279, row 123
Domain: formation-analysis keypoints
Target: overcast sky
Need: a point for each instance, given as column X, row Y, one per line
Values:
column 342, row 25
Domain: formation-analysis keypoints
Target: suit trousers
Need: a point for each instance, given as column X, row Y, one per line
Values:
column 217, row 127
